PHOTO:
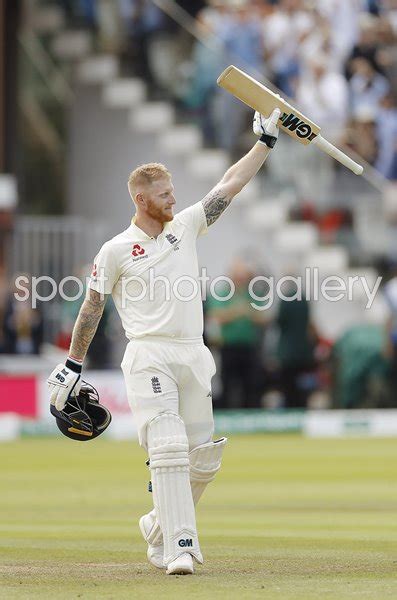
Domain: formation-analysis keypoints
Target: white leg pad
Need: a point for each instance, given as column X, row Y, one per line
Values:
column 205, row 462
column 172, row 495
column 153, row 536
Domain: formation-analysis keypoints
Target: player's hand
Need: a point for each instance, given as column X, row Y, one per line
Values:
column 64, row 381
column 267, row 128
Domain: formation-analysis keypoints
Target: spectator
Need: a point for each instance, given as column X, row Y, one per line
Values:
column 367, row 46
column 316, row 41
column 342, row 16
column 241, row 328
column 23, row 325
column 360, row 369
column 207, row 63
column 386, row 124
column 297, row 337
column 390, row 341
column 361, row 135
column 283, row 31
column 367, row 86
column 142, row 21
column 323, row 94
column 241, row 36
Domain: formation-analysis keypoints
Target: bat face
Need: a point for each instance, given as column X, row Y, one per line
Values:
column 260, row 98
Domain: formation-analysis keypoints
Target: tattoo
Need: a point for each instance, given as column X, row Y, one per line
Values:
column 87, row 323
column 214, row 204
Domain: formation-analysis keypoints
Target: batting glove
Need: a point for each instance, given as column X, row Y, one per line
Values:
column 267, row 128
column 63, row 382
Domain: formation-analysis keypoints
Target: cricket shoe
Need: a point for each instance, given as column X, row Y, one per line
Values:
column 155, row 552
column 183, row 565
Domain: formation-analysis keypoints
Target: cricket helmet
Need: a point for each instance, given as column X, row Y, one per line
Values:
column 83, row 418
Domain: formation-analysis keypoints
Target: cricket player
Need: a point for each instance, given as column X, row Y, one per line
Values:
column 167, row 368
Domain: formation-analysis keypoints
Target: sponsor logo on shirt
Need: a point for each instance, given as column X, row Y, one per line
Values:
column 138, row 252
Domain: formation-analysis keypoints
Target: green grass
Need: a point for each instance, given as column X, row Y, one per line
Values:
column 287, row 518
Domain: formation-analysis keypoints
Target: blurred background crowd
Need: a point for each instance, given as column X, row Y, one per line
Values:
column 336, row 58
column 80, row 75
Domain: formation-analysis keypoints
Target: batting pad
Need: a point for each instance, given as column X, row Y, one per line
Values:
column 205, row 462
column 172, row 495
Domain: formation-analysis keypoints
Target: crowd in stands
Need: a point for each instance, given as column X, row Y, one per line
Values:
column 336, row 58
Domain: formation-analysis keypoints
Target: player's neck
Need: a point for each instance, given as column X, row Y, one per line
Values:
column 150, row 226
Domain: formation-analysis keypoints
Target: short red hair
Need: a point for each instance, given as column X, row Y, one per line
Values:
column 145, row 175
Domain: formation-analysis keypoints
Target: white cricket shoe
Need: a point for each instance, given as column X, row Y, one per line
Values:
column 183, row 565
column 154, row 554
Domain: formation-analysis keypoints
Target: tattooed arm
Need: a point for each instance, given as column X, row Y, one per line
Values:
column 244, row 170
column 65, row 379
column 233, row 182
column 86, row 325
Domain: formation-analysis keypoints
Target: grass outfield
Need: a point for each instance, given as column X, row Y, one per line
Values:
column 287, row 518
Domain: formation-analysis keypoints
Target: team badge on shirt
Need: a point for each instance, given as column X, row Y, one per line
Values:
column 156, row 386
column 172, row 240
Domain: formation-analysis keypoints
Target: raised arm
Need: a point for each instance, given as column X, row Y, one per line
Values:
column 65, row 378
column 239, row 174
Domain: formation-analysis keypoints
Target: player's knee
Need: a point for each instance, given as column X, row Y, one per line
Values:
column 167, row 441
column 166, row 427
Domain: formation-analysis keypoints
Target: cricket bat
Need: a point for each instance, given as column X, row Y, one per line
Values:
column 299, row 127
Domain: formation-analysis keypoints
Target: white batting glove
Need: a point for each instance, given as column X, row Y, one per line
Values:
column 64, row 381
column 267, row 128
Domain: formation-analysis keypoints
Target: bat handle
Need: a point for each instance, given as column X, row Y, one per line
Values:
column 340, row 156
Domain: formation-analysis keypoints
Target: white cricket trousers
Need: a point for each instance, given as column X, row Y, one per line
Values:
column 170, row 375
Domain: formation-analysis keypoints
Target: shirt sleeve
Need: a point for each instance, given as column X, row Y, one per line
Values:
column 194, row 218
column 105, row 271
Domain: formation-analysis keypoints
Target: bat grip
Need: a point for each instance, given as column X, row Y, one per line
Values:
column 340, row 156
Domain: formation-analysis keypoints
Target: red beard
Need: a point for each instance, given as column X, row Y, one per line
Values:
column 157, row 213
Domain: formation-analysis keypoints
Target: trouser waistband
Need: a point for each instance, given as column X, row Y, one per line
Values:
column 167, row 340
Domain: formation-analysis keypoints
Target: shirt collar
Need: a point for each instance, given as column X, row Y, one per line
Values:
column 139, row 235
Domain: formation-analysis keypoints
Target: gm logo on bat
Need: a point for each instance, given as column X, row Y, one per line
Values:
column 293, row 123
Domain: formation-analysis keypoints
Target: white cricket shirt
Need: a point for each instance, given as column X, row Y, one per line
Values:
column 154, row 281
